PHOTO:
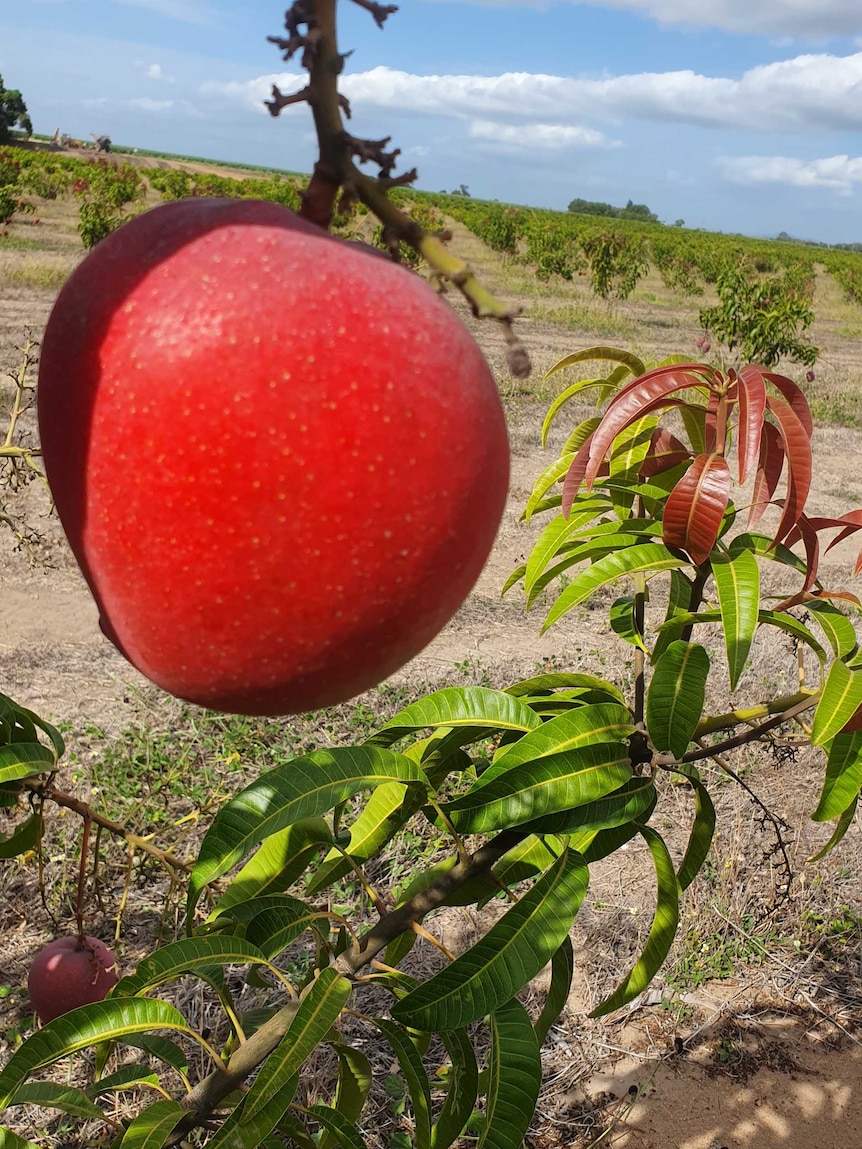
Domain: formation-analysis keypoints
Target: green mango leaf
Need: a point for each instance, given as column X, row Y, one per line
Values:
column 276, row 864
column 461, row 1092
column 23, row 838
column 675, row 697
column 389, row 808
column 276, row 927
column 555, row 473
column 415, row 1076
column 843, row 776
column 585, row 726
column 10, row 1140
column 633, row 365
column 737, row 580
column 27, row 723
column 318, row 1011
column 25, row 760
column 108, row 1020
column 678, row 603
column 633, row 560
column 510, row 954
column 764, row 547
column 793, row 627
column 162, row 1049
column 631, row 801
column 242, row 1131
column 126, row 1077
column 473, row 707
column 514, row 578
column 354, row 1083
column 702, row 830
column 153, row 1125
column 557, row 534
column 590, row 551
column 564, row 681
column 841, row 698
column 836, row 626
column 842, row 826
column 560, row 401
column 514, row 1078
column 188, row 955
column 300, row 789
column 562, row 972
column 661, row 934
column 539, row 787
column 622, row 620
column 338, row 1127
column 66, row 1098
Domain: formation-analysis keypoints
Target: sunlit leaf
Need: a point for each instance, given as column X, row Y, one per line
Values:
column 661, row 933
column 106, row 1020
column 514, row 1078
column 539, row 787
column 300, row 789
column 695, row 507
column 842, row 695
column 510, row 954
column 737, row 581
column 151, row 1128
column 634, row 560
column 675, row 696
column 562, row 972
column 276, row 864
column 476, row 707
column 319, row 1008
column 843, row 776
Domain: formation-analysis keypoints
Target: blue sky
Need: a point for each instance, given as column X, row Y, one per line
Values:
column 738, row 115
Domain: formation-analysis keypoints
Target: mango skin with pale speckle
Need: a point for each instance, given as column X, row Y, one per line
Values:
column 280, row 460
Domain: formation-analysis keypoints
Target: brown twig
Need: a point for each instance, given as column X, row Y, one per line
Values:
column 48, row 793
column 336, row 170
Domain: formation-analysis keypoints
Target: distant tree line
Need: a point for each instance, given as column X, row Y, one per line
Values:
column 638, row 211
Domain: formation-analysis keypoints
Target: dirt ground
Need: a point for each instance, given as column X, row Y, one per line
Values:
column 767, row 1055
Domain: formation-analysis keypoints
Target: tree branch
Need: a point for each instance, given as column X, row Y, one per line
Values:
column 207, row 1095
column 335, row 169
column 48, row 794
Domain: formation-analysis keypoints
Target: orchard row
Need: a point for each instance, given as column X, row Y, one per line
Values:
column 765, row 288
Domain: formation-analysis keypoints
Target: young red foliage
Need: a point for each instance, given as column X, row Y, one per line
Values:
column 695, row 507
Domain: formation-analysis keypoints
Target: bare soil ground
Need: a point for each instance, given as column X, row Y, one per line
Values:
column 751, row 1034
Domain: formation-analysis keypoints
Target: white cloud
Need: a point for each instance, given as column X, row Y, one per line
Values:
column 837, row 173
column 806, row 93
column 817, row 18
column 150, row 105
column 548, row 137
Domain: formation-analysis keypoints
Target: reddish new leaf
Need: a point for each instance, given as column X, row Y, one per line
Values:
column 575, row 474
column 797, row 448
column 696, row 505
column 805, row 531
column 638, row 399
column 710, row 422
column 793, row 394
column 769, row 467
column 752, row 409
column 665, row 453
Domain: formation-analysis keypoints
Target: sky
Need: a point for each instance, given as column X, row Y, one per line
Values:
column 733, row 115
